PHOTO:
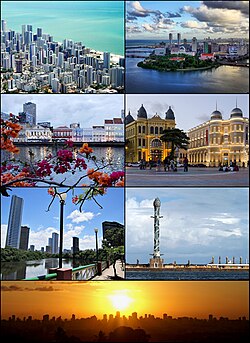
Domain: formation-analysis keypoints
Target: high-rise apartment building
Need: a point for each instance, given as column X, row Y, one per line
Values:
column 14, row 222
column 55, row 237
column 30, row 107
column 24, row 237
column 75, row 248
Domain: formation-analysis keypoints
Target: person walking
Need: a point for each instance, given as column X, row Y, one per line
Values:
column 185, row 163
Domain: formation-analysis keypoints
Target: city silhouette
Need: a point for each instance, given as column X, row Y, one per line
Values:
column 119, row 328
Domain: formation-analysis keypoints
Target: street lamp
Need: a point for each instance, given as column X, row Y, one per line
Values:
column 96, row 245
column 62, row 197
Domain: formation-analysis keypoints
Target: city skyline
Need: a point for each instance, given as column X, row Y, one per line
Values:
column 197, row 224
column 227, row 299
column 56, row 18
column 200, row 19
column 76, row 223
column 86, row 109
column 190, row 109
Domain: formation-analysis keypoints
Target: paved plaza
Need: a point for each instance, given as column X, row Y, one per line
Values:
column 195, row 177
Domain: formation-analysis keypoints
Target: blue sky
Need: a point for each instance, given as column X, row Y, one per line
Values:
column 156, row 19
column 80, row 224
column 64, row 109
column 197, row 223
column 189, row 109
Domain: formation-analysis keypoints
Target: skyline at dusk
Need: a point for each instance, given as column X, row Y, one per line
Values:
column 226, row 298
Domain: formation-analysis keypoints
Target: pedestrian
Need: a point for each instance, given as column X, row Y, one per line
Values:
column 158, row 164
column 185, row 164
column 172, row 165
column 166, row 163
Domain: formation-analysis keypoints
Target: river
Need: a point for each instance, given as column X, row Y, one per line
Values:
column 103, row 154
column 224, row 79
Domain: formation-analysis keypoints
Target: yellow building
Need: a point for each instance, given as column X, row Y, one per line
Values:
column 143, row 135
column 220, row 141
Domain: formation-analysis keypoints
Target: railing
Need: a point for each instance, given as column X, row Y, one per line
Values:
column 86, row 272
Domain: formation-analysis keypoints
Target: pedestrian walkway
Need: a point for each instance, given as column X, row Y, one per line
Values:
column 108, row 273
column 194, row 177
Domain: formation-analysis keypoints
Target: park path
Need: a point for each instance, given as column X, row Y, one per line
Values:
column 108, row 273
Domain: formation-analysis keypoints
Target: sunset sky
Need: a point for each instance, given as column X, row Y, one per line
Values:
column 181, row 298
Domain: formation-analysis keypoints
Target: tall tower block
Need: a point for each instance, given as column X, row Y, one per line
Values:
column 156, row 261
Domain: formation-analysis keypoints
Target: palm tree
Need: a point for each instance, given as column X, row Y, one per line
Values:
column 177, row 138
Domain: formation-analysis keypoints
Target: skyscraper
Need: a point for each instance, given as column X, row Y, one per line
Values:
column 194, row 44
column 14, row 222
column 55, row 243
column 30, row 107
column 178, row 39
column 170, row 39
column 75, row 245
column 24, row 238
column 106, row 60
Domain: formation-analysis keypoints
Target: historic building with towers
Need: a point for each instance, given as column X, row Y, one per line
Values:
column 143, row 135
column 220, row 141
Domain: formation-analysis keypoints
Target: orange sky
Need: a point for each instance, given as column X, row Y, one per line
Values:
column 176, row 298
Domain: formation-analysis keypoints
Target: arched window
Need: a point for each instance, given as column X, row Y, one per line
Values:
column 161, row 130
column 156, row 130
column 151, row 130
column 156, row 143
column 139, row 129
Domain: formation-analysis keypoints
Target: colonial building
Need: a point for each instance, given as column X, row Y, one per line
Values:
column 220, row 141
column 143, row 135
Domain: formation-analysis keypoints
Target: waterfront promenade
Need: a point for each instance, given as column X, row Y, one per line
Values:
column 200, row 177
column 108, row 273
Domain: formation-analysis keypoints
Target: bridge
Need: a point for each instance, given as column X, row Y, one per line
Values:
column 101, row 270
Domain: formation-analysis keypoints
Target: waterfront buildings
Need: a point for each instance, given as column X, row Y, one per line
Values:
column 54, row 242
column 143, row 135
column 35, row 62
column 220, row 141
column 14, row 222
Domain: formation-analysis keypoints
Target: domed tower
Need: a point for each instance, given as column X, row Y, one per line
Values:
column 170, row 114
column 216, row 115
column 128, row 119
column 236, row 113
column 156, row 261
column 142, row 113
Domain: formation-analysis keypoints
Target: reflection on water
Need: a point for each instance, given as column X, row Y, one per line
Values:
column 104, row 155
column 224, row 79
column 29, row 269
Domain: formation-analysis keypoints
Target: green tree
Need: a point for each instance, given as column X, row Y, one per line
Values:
column 177, row 138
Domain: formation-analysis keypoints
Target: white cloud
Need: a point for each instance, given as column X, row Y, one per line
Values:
column 3, row 234
column 78, row 217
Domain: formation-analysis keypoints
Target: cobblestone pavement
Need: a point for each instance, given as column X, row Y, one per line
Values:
column 195, row 177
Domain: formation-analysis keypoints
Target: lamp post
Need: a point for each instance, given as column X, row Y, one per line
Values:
column 96, row 245
column 62, row 197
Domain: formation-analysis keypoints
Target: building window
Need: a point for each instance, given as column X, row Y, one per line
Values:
column 151, row 130
column 156, row 130
column 139, row 129
column 143, row 129
column 161, row 130
column 139, row 142
column 143, row 142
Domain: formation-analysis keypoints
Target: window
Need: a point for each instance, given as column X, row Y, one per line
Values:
column 139, row 129
column 156, row 130
column 151, row 130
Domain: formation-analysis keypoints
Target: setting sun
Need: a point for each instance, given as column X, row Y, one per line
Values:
column 120, row 300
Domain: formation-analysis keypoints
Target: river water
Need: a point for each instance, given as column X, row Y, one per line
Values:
column 29, row 269
column 224, row 79
column 188, row 275
column 114, row 155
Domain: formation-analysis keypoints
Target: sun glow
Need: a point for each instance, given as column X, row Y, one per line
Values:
column 120, row 300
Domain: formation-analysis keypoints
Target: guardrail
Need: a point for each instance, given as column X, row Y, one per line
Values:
column 86, row 272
